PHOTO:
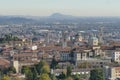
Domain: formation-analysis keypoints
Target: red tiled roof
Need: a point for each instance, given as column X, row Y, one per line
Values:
column 4, row 62
column 117, row 68
column 23, row 55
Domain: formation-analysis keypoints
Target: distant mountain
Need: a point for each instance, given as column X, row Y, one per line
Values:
column 61, row 16
column 58, row 15
column 14, row 19
column 55, row 17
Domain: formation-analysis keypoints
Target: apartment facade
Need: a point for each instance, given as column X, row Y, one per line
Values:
column 116, row 56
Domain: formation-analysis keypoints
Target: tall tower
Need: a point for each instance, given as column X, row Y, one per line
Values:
column 101, row 35
column 16, row 65
column 47, row 39
column 93, row 41
column 80, row 38
column 64, row 40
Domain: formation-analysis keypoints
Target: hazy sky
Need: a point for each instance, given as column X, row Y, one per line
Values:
column 71, row 7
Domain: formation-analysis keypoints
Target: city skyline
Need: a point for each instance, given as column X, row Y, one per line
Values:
column 71, row 7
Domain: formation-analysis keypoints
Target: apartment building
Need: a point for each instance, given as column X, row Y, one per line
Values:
column 116, row 56
column 112, row 73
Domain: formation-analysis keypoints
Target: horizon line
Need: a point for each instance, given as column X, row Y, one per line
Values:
column 23, row 15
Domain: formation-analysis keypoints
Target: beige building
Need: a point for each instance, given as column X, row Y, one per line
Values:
column 15, row 64
column 115, row 73
column 80, row 55
column 112, row 73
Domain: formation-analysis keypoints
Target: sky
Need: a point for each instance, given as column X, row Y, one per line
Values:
column 69, row 7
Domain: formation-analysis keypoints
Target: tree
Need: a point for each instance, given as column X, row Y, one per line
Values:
column 53, row 63
column 77, row 77
column 42, row 67
column 12, row 69
column 97, row 74
column 1, row 74
column 5, row 77
column 45, row 69
column 34, row 71
column 62, row 76
column 44, row 77
column 69, row 71
column 84, row 65
column 39, row 66
column 29, row 75
column 69, row 78
column 53, row 77
column 15, row 38
column 8, row 37
column 25, row 69
column 17, row 78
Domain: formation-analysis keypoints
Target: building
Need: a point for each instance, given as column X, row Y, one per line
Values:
column 57, row 72
column 65, row 55
column 116, row 56
column 93, row 41
column 78, row 37
column 112, row 73
column 80, row 55
column 15, row 64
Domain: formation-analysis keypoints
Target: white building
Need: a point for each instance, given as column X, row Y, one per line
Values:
column 57, row 72
column 34, row 47
column 116, row 56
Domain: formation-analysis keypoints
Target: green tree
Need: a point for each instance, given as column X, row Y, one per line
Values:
column 29, row 75
column 1, row 74
column 34, row 71
column 84, row 65
column 39, row 66
column 62, row 76
column 77, row 77
column 45, row 69
column 69, row 78
column 5, row 77
column 53, row 77
column 69, row 71
column 44, row 77
column 17, row 78
column 15, row 38
column 53, row 63
column 42, row 67
column 12, row 69
column 25, row 69
column 8, row 37
column 97, row 74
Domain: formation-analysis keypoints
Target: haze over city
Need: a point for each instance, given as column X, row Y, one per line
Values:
column 70, row 7
column 59, row 40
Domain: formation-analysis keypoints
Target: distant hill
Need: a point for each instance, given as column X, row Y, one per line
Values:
column 61, row 16
column 13, row 19
column 55, row 17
